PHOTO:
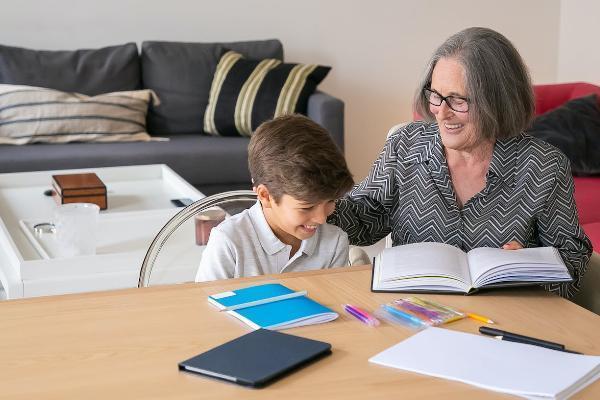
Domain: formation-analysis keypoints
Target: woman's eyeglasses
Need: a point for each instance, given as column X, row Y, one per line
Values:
column 456, row 103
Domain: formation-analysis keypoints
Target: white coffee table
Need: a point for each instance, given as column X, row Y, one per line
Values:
column 139, row 204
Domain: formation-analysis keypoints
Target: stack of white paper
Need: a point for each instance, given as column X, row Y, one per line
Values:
column 524, row 370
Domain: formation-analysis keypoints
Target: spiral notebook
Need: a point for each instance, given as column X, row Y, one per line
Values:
column 279, row 314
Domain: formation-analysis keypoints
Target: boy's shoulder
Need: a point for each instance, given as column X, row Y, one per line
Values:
column 331, row 232
column 236, row 225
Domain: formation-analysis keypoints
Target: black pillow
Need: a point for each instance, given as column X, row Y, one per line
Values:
column 245, row 93
column 574, row 128
column 181, row 73
column 91, row 72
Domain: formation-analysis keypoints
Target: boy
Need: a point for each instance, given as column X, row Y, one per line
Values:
column 297, row 173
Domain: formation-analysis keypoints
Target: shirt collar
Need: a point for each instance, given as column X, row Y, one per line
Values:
column 271, row 243
column 428, row 149
column 504, row 160
column 424, row 149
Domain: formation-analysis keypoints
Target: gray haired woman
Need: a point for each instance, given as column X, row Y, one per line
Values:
column 468, row 175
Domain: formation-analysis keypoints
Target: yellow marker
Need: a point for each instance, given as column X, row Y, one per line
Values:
column 480, row 318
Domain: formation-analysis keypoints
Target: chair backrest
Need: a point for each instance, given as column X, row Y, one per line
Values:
column 174, row 252
column 551, row 96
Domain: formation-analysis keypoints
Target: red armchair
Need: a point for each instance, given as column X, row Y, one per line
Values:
column 587, row 189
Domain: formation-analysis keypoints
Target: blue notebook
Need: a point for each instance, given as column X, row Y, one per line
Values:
column 281, row 314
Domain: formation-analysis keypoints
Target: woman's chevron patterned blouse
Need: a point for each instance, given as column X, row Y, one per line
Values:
column 528, row 197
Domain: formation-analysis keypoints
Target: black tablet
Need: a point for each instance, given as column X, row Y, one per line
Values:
column 256, row 358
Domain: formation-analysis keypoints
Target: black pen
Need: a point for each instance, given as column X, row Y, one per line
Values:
column 514, row 337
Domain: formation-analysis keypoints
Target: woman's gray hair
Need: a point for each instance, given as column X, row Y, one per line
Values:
column 496, row 79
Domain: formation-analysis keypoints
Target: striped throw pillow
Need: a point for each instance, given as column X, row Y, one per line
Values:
column 244, row 93
column 33, row 114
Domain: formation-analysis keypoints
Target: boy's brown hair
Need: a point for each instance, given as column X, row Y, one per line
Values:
column 294, row 155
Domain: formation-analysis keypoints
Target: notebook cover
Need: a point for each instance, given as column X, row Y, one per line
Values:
column 298, row 311
column 256, row 358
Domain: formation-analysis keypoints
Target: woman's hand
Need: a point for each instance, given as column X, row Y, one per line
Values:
column 512, row 245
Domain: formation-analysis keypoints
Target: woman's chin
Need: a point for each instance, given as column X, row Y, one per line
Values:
column 452, row 140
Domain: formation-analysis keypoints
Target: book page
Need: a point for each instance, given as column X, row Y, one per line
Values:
column 515, row 368
column 493, row 265
column 422, row 266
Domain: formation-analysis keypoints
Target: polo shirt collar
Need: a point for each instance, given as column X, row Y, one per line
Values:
column 271, row 243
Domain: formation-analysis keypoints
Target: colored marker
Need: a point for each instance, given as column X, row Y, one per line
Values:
column 403, row 315
column 361, row 315
column 432, row 315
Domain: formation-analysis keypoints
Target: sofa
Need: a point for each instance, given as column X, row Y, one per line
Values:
column 180, row 74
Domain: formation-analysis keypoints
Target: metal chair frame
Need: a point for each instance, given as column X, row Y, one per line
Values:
column 182, row 216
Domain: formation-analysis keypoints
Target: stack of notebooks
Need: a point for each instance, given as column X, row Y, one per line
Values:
column 276, row 314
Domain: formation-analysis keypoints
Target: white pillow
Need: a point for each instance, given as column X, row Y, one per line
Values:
column 33, row 114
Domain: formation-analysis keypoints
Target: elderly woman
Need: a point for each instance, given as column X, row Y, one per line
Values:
column 468, row 176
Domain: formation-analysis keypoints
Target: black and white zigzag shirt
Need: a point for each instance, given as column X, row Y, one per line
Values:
column 528, row 197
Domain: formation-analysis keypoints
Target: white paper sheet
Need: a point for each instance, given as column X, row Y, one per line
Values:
column 524, row 370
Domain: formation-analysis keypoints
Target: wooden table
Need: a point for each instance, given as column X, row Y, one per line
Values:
column 127, row 343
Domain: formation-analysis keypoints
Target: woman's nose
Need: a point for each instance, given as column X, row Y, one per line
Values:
column 444, row 109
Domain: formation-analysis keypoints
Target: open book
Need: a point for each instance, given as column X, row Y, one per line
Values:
column 445, row 268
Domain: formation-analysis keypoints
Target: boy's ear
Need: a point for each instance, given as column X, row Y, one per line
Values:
column 263, row 195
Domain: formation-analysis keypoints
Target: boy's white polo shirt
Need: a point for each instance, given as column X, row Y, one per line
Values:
column 245, row 245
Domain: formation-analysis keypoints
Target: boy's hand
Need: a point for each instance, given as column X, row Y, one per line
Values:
column 512, row 245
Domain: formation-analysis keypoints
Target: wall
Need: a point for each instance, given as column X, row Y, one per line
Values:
column 377, row 48
column 578, row 54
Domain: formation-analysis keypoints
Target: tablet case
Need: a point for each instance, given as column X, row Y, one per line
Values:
column 256, row 358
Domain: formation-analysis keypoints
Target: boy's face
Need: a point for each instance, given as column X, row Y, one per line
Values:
column 293, row 220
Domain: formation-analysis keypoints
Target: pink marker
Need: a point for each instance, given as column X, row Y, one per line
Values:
column 361, row 315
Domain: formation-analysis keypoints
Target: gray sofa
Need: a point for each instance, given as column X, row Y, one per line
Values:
column 181, row 75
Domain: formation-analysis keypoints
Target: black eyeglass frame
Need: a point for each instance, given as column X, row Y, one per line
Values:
column 427, row 92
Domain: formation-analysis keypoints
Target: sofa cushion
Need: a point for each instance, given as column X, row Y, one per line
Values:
column 91, row 72
column 181, row 75
column 199, row 159
column 245, row 93
column 30, row 114
column 574, row 128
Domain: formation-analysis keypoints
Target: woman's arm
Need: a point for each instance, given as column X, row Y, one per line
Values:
column 558, row 226
column 364, row 213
